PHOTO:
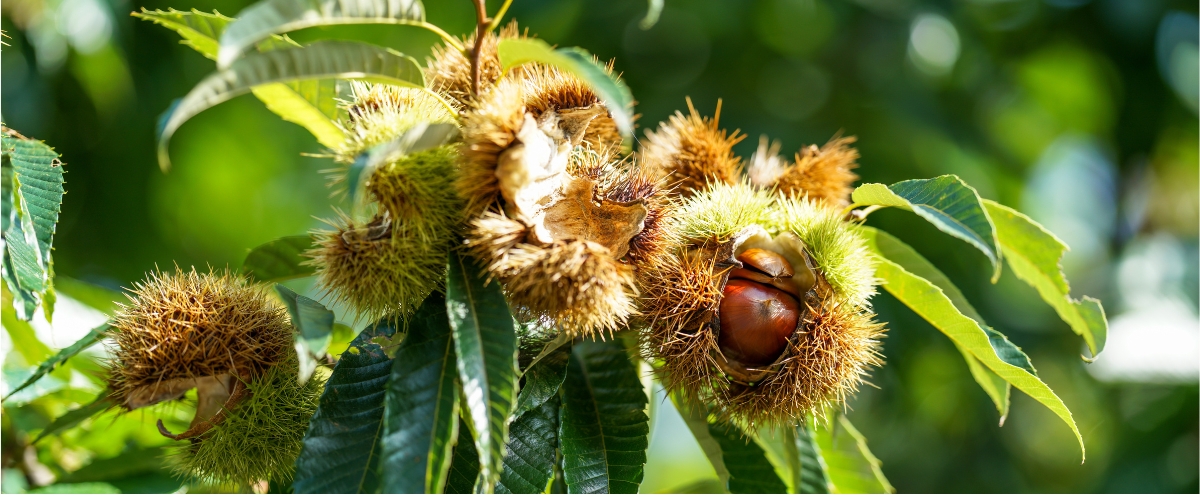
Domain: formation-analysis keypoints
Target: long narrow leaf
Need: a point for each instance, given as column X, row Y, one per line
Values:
column 749, row 469
column 422, row 405
column 696, row 419
column 543, row 380
column 946, row 202
column 604, row 427
column 270, row 17
column 485, row 343
column 57, row 360
column 321, row 60
column 464, row 468
column 533, row 441
column 615, row 94
column 313, row 328
column 1034, row 254
column 851, row 466
column 341, row 448
column 932, row 303
column 812, row 477
column 75, row 417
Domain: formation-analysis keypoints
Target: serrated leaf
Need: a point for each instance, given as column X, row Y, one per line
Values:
column 907, row 258
column 421, row 137
column 464, row 468
column 485, row 344
column 341, row 449
column 615, row 94
column 279, row 260
column 310, row 104
column 932, row 303
column 62, row 357
column 810, row 467
column 421, row 423
column 749, row 469
column 313, row 326
column 852, row 468
column 75, row 417
column 33, row 177
column 320, row 60
column 269, row 17
column 696, row 418
column 1034, row 254
column 533, row 441
column 945, row 201
column 604, row 429
column 543, row 379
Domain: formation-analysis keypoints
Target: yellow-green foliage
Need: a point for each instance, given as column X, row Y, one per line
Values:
column 261, row 437
column 838, row 251
column 721, row 210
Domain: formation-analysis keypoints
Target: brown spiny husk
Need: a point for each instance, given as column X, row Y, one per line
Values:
column 380, row 268
column 823, row 173
column 492, row 125
column 448, row 71
column 576, row 284
column 188, row 326
column 692, row 151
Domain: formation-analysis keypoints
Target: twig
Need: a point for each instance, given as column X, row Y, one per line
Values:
column 481, row 28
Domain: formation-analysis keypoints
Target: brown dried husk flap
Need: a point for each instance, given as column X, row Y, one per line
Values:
column 215, row 396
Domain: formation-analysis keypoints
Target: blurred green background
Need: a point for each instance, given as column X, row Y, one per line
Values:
column 1081, row 113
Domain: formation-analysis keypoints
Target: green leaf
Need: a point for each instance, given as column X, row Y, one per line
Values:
column 995, row 386
column 341, row 449
column 421, row 421
column 279, row 260
column 200, row 30
column 421, row 137
column 301, row 103
column 62, row 357
column 75, row 417
column 464, row 468
column 263, row 19
column 604, row 428
column 532, row 445
column 932, row 303
column 313, row 325
column 696, row 418
column 76, row 489
column 543, row 379
column 851, row 466
column 485, row 343
column 33, row 176
column 320, row 60
column 749, row 469
column 310, row 104
column 1034, row 255
column 945, row 201
column 812, row 476
column 615, row 94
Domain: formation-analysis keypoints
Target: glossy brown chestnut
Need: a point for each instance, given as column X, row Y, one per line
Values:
column 756, row 321
column 768, row 262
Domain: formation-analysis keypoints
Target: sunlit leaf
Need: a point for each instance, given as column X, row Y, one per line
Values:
column 945, row 201
column 341, row 449
column 320, row 60
column 485, row 343
column 1034, row 255
column 33, row 191
column 77, row 416
column 313, row 325
column 269, row 17
column 932, row 303
column 279, row 260
column 696, row 418
column 615, row 94
column 421, row 421
column 851, row 466
column 62, row 357
column 604, row 428
column 310, row 104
